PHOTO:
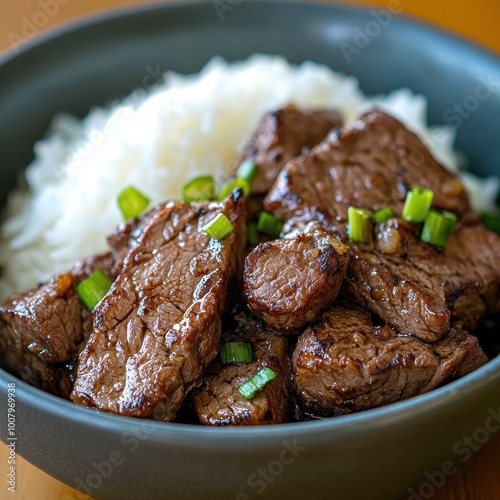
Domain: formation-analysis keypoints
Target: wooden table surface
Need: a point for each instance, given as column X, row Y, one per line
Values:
column 477, row 479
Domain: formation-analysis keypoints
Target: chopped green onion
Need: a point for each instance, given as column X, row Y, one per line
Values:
column 358, row 225
column 269, row 224
column 236, row 352
column 92, row 289
column 219, row 227
column 437, row 227
column 247, row 170
column 199, row 189
column 231, row 186
column 382, row 215
column 132, row 203
column 255, row 384
column 417, row 205
column 492, row 222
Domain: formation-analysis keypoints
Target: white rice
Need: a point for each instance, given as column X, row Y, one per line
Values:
column 184, row 127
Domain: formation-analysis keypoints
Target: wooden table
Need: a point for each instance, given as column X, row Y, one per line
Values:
column 479, row 478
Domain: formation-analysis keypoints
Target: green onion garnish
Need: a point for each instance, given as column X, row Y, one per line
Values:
column 247, row 170
column 252, row 234
column 236, row 352
column 417, row 205
column 132, row 203
column 269, row 224
column 219, row 227
column 492, row 222
column 92, row 289
column 382, row 215
column 358, row 225
column 231, row 186
column 437, row 227
column 199, row 189
column 249, row 388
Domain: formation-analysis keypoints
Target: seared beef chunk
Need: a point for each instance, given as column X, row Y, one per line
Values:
column 345, row 363
column 160, row 324
column 56, row 379
column 398, row 292
column 372, row 164
column 289, row 282
column 41, row 330
column 124, row 237
column 475, row 253
column 218, row 401
column 282, row 135
column 459, row 354
column 419, row 286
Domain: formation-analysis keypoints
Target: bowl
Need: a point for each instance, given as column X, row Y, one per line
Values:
column 381, row 453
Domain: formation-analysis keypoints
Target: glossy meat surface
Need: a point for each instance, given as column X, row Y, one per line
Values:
column 160, row 324
column 346, row 363
column 290, row 281
column 42, row 331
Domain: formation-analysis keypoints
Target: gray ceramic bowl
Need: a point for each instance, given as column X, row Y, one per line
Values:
column 375, row 454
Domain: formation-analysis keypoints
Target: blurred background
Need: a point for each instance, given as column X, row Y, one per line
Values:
column 476, row 20
column 23, row 20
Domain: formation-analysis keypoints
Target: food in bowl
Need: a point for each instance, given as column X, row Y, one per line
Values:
column 374, row 268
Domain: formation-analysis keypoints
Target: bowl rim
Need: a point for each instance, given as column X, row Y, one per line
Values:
column 387, row 416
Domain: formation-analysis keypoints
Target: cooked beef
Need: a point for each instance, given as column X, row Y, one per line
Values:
column 54, row 378
column 422, row 286
column 473, row 253
column 290, row 281
column 346, row 363
column 218, row 401
column 124, row 237
column 398, row 292
column 160, row 324
column 282, row 135
column 372, row 164
column 42, row 330
column 459, row 353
